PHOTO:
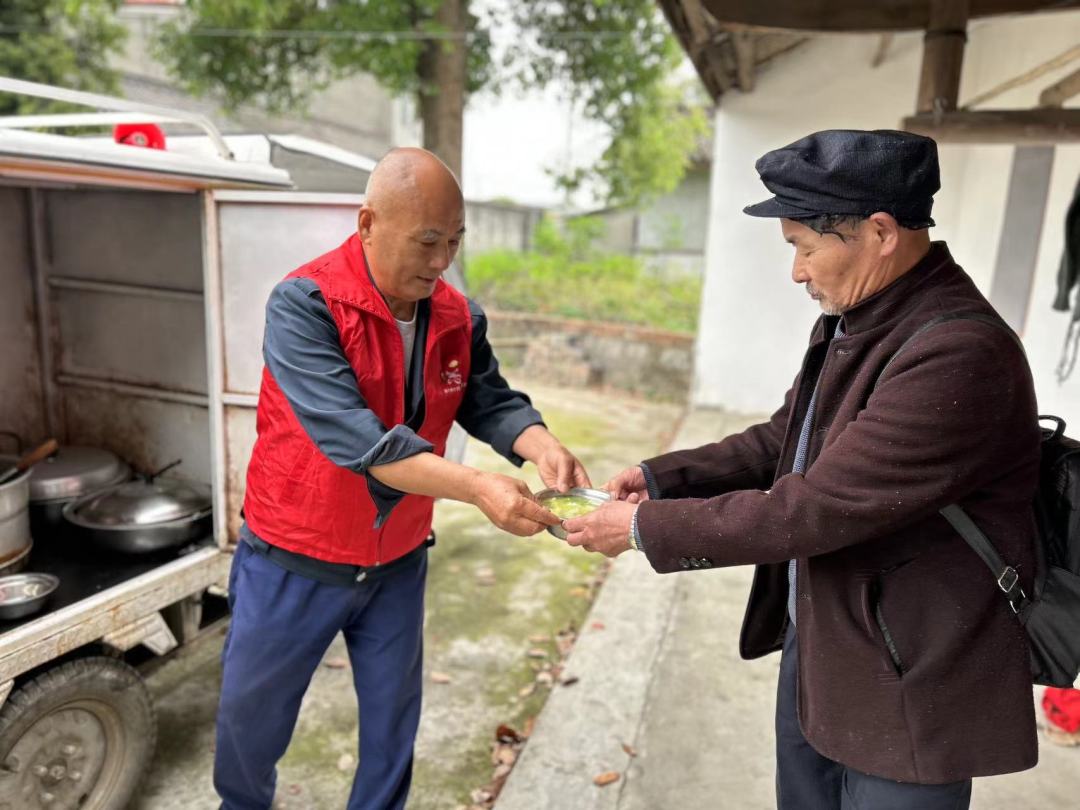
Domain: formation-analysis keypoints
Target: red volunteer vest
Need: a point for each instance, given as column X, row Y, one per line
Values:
column 299, row 500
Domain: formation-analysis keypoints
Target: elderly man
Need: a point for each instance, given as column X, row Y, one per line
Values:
column 904, row 672
column 370, row 358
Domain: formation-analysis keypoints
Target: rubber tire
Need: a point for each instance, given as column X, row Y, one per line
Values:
column 102, row 680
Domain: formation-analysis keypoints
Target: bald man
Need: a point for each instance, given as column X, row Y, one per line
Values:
column 370, row 358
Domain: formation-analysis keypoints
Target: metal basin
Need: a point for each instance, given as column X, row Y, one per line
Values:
column 597, row 497
column 23, row 594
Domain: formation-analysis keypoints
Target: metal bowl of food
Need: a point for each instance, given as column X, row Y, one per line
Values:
column 575, row 502
column 23, row 594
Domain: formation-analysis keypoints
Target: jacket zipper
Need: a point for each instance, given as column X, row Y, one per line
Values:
column 890, row 643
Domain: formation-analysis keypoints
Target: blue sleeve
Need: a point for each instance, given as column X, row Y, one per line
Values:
column 492, row 411
column 303, row 352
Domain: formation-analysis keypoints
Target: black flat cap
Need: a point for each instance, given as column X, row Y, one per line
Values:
column 854, row 172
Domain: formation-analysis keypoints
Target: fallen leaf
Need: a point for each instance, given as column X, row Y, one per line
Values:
column 346, row 762
column 544, row 678
column 501, row 772
column 530, row 724
column 455, row 568
column 525, row 691
column 294, row 790
column 336, row 663
column 479, row 796
column 507, row 756
column 598, row 626
column 629, row 749
column 536, row 652
column 440, row 677
column 571, row 680
column 505, row 734
column 581, row 592
column 539, row 639
column 605, row 778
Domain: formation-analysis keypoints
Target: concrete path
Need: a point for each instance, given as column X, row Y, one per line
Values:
column 659, row 673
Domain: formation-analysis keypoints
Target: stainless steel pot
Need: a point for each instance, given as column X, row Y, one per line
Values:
column 69, row 473
column 14, row 518
column 144, row 515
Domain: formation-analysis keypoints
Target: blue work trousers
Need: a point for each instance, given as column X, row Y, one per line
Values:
column 282, row 624
column 806, row 780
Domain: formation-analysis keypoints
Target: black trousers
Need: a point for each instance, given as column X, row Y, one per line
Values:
column 805, row 780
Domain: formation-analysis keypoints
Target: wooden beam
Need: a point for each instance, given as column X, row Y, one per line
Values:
column 1044, row 126
column 853, row 15
column 943, row 56
column 1061, row 91
column 1064, row 58
column 743, row 43
column 697, row 33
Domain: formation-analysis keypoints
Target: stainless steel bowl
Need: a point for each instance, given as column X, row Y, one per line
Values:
column 23, row 594
column 596, row 496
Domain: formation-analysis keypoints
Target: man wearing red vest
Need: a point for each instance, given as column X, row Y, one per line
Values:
column 370, row 358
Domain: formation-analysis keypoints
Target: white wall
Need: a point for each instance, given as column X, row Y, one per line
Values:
column 755, row 321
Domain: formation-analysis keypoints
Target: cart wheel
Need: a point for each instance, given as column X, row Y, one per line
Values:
column 78, row 736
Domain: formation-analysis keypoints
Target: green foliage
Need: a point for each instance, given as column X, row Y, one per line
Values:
column 62, row 42
column 566, row 275
column 619, row 56
column 278, row 53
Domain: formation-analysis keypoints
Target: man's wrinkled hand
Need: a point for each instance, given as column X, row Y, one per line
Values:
column 561, row 470
column 508, row 503
column 605, row 531
column 629, row 485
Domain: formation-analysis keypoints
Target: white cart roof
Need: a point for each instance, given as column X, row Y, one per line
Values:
column 31, row 155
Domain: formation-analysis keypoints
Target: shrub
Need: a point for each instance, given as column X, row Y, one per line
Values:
column 566, row 275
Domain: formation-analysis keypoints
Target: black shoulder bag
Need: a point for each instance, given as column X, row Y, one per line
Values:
column 1050, row 615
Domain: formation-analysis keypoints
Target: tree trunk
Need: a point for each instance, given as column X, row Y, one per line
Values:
column 442, row 91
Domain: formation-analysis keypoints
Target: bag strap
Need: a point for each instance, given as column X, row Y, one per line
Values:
column 1007, row 578
column 951, row 316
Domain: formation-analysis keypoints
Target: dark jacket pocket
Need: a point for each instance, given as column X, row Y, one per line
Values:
column 883, row 627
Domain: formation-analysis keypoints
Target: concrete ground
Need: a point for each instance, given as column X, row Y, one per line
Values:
column 494, row 607
column 665, row 707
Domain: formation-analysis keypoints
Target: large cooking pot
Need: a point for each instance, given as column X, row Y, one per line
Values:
column 14, row 519
column 69, row 473
column 143, row 515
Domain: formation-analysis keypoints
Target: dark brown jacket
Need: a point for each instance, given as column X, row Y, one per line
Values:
column 952, row 419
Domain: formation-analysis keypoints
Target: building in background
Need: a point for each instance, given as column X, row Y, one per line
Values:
column 1001, row 209
column 668, row 233
column 355, row 113
column 331, row 147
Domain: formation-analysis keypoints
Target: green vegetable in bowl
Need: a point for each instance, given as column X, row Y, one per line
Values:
column 570, row 506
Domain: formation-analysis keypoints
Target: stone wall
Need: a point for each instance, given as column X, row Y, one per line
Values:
column 560, row 351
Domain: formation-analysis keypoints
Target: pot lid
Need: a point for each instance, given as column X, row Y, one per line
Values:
column 74, row 471
column 141, row 503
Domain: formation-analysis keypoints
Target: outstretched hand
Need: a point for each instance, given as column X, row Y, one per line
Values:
column 605, row 531
column 629, row 485
column 561, row 469
column 508, row 503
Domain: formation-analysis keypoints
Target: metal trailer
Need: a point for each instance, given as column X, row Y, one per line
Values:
column 132, row 284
